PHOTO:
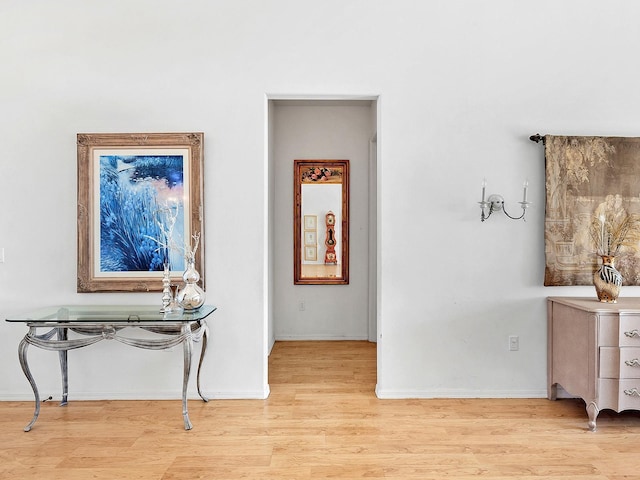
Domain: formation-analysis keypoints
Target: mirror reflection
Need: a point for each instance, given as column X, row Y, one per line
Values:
column 321, row 222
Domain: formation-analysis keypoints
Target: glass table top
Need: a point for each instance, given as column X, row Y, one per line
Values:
column 109, row 313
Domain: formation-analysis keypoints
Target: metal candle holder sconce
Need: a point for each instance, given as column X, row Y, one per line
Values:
column 495, row 203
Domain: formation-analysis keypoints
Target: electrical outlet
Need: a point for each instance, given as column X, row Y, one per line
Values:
column 514, row 343
column 301, row 306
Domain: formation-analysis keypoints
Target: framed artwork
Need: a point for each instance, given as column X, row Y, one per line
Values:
column 311, row 238
column 140, row 204
column 310, row 253
column 310, row 222
column 320, row 187
column 592, row 184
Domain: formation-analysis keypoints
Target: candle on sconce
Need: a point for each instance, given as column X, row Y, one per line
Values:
column 484, row 185
column 524, row 195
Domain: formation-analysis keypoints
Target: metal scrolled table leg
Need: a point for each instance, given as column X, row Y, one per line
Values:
column 205, row 338
column 187, row 346
column 22, row 355
column 64, row 370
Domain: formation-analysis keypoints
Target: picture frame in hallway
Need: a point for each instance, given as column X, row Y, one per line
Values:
column 311, row 237
column 321, row 195
column 310, row 222
column 140, row 202
column 311, row 253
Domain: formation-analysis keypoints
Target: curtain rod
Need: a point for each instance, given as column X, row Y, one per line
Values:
column 537, row 138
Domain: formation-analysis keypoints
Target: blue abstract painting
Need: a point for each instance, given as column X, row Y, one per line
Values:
column 139, row 194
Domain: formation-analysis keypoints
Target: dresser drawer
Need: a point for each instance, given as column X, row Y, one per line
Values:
column 619, row 330
column 619, row 362
column 629, row 330
column 619, row 395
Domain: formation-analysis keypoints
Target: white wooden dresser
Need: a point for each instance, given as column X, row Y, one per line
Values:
column 594, row 352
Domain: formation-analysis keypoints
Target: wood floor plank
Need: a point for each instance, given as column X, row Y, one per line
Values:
column 321, row 421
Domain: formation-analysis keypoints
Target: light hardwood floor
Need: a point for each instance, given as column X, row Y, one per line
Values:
column 322, row 420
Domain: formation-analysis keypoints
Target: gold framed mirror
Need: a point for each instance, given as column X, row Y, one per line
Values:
column 321, row 222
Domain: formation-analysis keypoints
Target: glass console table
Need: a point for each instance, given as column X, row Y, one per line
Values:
column 93, row 323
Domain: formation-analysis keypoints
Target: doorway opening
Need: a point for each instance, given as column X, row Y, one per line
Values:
column 322, row 128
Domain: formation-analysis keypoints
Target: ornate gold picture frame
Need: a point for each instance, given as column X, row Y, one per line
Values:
column 320, row 245
column 133, row 188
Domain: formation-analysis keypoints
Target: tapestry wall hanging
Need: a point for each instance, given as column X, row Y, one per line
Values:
column 592, row 189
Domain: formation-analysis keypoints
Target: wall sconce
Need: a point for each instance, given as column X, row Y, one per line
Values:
column 495, row 203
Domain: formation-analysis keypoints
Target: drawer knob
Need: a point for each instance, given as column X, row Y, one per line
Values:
column 632, row 363
column 632, row 333
column 632, row 392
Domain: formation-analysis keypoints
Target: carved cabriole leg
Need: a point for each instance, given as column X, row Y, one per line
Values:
column 188, row 347
column 205, row 339
column 592, row 411
column 22, row 355
column 64, row 370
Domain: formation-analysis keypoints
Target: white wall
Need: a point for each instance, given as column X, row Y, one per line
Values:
column 462, row 85
column 322, row 130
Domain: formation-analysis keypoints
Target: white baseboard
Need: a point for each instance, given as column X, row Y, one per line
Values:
column 319, row 337
column 382, row 394
column 445, row 393
column 80, row 396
